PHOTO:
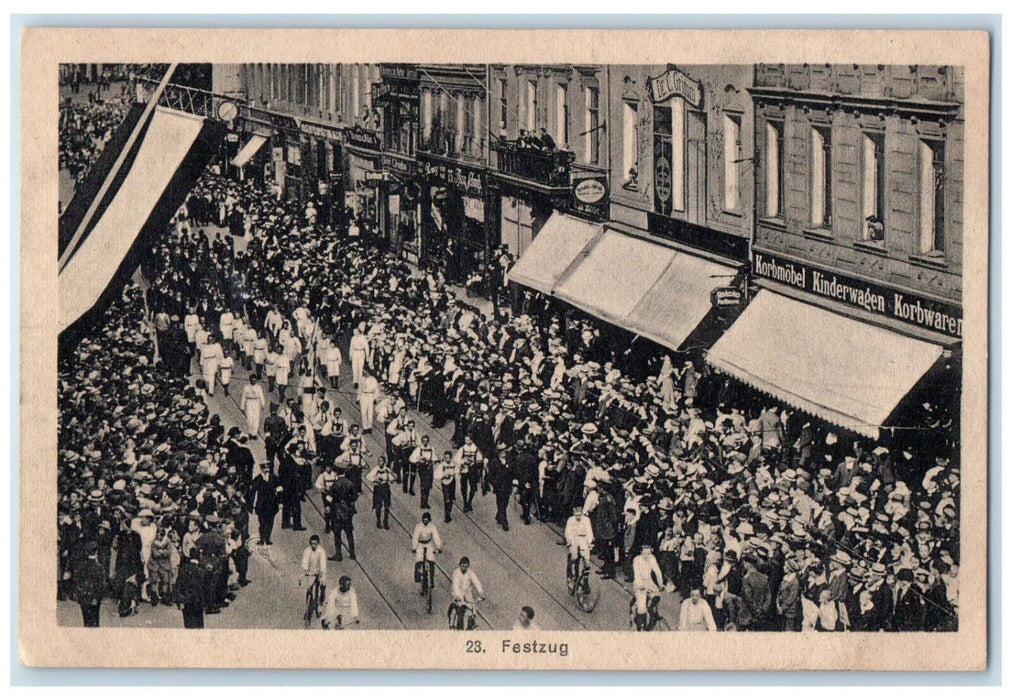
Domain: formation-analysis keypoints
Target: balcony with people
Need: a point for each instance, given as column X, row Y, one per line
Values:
column 534, row 158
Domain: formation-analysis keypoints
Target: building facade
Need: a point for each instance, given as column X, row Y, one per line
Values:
column 859, row 175
column 396, row 96
column 322, row 132
column 681, row 151
column 452, row 161
column 548, row 128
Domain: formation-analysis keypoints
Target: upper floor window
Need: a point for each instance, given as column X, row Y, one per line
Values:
column 822, row 178
column 732, row 161
column 592, row 97
column 873, row 186
column 630, row 144
column 931, row 195
column 561, row 116
column 532, row 105
column 774, row 170
column 503, row 104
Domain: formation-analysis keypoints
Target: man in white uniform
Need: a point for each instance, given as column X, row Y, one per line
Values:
column 358, row 348
column 253, row 402
column 368, row 390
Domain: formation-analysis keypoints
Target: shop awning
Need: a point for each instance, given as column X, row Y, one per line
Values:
column 165, row 144
column 559, row 243
column 679, row 299
column 850, row 373
column 248, row 150
column 614, row 276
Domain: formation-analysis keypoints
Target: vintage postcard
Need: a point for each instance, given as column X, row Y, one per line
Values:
column 644, row 350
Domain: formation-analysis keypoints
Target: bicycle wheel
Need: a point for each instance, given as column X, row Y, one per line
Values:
column 307, row 619
column 572, row 576
column 428, row 593
column 586, row 598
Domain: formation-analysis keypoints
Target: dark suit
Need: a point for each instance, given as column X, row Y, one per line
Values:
column 908, row 612
column 789, row 603
column 264, row 501
column 89, row 587
column 276, row 435
column 756, row 596
column 343, row 512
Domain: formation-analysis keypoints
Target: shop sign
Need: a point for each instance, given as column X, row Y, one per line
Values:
column 232, row 137
column 474, row 208
column 364, row 138
column 294, row 154
column 871, row 297
column 398, row 165
column 373, row 176
column 675, row 83
column 322, row 132
column 402, row 71
column 462, row 178
column 590, row 197
column 727, row 297
column 589, row 191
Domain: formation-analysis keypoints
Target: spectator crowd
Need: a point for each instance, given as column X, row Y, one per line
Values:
column 779, row 521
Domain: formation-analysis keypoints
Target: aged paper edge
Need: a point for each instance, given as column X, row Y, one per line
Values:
column 43, row 643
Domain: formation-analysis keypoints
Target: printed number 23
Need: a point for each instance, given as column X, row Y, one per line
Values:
column 474, row 647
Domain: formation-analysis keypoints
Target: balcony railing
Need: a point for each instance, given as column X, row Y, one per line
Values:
column 550, row 168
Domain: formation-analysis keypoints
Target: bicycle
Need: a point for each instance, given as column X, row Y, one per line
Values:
column 655, row 622
column 578, row 582
column 461, row 615
column 314, row 599
column 427, row 578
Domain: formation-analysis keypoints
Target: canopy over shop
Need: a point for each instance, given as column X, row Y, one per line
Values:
column 655, row 291
column 850, row 373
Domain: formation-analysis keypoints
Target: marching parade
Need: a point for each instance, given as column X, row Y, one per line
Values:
column 488, row 446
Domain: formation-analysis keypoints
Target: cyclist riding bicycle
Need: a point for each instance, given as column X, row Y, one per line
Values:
column 342, row 605
column 425, row 541
column 647, row 580
column 579, row 540
column 465, row 581
column 314, row 560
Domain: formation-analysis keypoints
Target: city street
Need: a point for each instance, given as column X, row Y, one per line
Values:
column 524, row 566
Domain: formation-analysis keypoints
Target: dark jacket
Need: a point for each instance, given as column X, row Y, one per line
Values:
column 264, row 497
column 89, row 581
column 755, row 590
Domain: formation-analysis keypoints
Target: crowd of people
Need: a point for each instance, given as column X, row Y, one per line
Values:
column 768, row 517
column 86, row 127
column 152, row 504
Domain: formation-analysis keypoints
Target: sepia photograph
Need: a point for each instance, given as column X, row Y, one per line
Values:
column 540, row 348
